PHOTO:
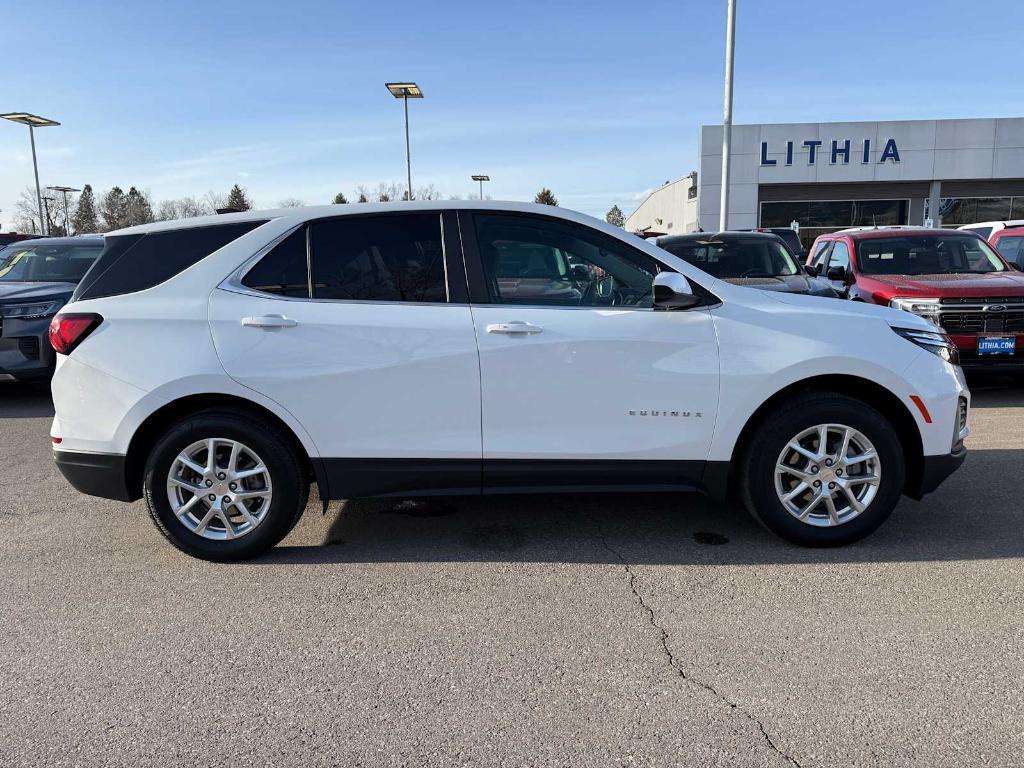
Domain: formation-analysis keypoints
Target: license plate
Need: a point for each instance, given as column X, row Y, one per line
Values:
column 997, row 345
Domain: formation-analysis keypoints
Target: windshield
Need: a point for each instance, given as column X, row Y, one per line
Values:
column 44, row 263
column 754, row 258
column 935, row 255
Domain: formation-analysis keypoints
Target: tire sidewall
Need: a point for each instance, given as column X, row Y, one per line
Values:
column 777, row 431
column 285, row 476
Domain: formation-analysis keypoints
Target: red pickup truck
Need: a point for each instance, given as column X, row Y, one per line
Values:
column 1010, row 244
column 953, row 278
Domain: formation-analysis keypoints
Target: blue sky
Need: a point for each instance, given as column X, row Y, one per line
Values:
column 600, row 101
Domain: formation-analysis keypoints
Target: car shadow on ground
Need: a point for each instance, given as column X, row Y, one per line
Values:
column 976, row 514
column 20, row 400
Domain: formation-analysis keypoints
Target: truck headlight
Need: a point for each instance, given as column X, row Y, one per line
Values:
column 926, row 308
column 30, row 311
column 935, row 342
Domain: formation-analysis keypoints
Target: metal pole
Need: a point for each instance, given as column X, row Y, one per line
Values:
column 39, row 195
column 723, row 217
column 408, row 159
column 481, row 189
column 67, row 219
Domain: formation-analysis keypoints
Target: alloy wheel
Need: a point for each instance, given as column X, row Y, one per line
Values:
column 219, row 489
column 827, row 475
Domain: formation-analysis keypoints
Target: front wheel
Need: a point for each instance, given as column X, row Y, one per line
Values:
column 823, row 470
column 222, row 486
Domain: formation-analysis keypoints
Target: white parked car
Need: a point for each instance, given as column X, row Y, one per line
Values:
column 218, row 366
column 987, row 228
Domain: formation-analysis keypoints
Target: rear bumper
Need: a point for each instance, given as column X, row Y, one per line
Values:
column 97, row 474
column 934, row 470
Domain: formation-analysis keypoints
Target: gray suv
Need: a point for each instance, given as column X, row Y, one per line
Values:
column 37, row 278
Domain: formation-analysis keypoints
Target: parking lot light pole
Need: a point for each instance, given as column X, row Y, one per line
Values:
column 730, row 32
column 33, row 122
column 67, row 217
column 481, row 178
column 406, row 91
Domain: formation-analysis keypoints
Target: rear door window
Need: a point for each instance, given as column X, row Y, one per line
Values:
column 131, row 263
column 394, row 257
column 284, row 270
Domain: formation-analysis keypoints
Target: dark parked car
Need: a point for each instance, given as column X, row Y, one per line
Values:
column 753, row 259
column 37, row 278
column 789, row 237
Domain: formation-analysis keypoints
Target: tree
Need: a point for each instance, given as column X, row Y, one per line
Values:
column 114, row 209
column 138, row 208
column 340, row 199
column 615, row 216
column 85, row 220
column 364, row 194
column 544, row 197
column 26, row 212
column 238, row 200
column 183, row 208
column 291, row 202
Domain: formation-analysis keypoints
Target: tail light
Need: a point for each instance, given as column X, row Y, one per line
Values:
column 68, row 331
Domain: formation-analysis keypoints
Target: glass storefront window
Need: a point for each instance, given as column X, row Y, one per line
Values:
column 970, row 210
column 818, row 217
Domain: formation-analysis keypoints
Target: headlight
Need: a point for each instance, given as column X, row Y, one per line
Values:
column 926, row 308
column 935, row 342
column 30, row 311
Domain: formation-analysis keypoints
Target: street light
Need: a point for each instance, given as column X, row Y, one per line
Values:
column 481, row 178
column 406, row 91
column 33, row 122
column 67, row 218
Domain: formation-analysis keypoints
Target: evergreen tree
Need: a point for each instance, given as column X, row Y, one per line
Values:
column 114, row 209
column 340, row 199
column 238, row 200
column 138, row 208
column 544, row 197
column 85, row 220
column 615, row 216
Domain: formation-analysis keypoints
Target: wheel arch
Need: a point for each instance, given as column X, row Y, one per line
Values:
column 158, row 422
column 719, row 483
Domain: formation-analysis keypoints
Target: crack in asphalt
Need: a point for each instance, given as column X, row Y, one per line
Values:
column 672, row 659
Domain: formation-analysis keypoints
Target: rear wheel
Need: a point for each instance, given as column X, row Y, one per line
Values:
column 221, row 486
column 824, row 470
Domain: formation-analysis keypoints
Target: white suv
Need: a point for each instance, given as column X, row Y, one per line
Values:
column 218, row 366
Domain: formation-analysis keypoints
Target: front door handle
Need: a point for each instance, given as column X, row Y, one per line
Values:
column 269, row 321
column 514, row 328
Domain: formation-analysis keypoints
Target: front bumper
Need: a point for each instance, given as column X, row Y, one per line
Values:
column 934, row 470
column 967, row 346
column 25, row 351
column 96, row 474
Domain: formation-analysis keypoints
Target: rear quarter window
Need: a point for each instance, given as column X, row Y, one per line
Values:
column 131, row 263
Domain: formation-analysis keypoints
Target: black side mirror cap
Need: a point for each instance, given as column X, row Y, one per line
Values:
column 811, row 270
column 836, row 273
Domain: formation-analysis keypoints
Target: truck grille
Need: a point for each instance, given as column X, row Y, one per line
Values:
column 982, row 315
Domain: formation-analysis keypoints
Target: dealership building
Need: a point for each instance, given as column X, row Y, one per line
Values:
column 828, row 176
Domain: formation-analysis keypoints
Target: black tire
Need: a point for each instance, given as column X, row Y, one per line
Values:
column 757, row 474
column 290, row 484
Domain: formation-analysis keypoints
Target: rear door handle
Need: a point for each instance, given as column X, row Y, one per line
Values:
column 514, row 328
column 269, row 321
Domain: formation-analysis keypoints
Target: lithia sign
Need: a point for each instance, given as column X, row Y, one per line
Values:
column 838, row 152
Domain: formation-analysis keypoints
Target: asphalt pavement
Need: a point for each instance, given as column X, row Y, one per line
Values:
column 624, row 630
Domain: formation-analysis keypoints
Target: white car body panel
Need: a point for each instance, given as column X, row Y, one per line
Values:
column 368, row 380
column 598, row 383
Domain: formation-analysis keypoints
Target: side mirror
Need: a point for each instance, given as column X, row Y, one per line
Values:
column 673, row 291
column 836, row 273
column 811, row 270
